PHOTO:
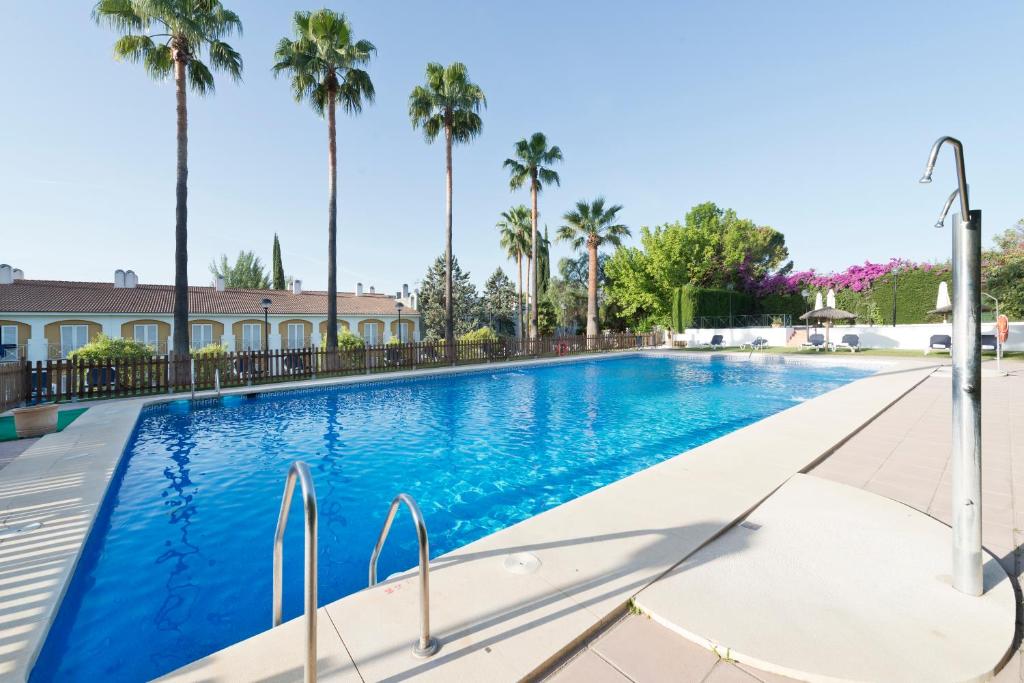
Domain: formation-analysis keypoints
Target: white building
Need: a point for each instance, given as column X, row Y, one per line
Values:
column 47, row 319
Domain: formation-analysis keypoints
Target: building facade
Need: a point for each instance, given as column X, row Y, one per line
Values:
column 47, row 319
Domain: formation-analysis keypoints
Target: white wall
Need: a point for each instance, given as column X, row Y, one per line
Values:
column 776, row 336
column 912, row 337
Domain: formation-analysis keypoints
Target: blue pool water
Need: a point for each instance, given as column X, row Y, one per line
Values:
column 179, row 562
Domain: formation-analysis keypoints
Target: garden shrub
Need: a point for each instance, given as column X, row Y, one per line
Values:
column 104, row 348
column 346, row 341
column 483, row 334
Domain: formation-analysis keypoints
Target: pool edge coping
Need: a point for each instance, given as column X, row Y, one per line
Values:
column 114, row 421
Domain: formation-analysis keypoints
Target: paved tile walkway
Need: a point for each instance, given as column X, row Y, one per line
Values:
column 904, row 454
column 9, row 450
column 639, row 650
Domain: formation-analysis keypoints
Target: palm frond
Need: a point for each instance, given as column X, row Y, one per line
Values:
column 225, row 58
column 324, row 61
column 120, row 15
column 199, row 77
column 532, row 158
column 159, row 62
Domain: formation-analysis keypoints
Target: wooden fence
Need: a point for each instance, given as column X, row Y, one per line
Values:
column 12, row 385
column 63, row 380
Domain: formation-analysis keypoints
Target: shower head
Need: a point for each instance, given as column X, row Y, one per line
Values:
column 946, row 207
column 961, row 174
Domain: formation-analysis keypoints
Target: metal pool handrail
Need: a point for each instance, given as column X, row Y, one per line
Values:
column 425, row 646
column 299, row 470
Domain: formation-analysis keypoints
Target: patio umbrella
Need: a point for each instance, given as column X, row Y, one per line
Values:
column 943, row 304
column 828, row 314
column 817, row 301
column 830, row 299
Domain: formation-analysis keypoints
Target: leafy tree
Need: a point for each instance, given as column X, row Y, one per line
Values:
column 1004, row 271
column 278, row 267
column 246, row 273
column 547, row 317
column 432, row 304
column 592, row 225
column 324, row 62
column 544, row 267
column 499, row 302
column 515, row 240
column 532, row 164
column 450, row 103
column 183, row 30
column 575, row 270
column 569, row 302
column 712, row 248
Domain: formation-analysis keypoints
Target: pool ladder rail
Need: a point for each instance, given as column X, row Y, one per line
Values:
column 425, row 646
column 300, row 471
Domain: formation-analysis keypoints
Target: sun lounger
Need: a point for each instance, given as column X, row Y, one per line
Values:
column 850, row 341
column 715, row 343
column 758, row 343
column 939, row 342
column 815, row 341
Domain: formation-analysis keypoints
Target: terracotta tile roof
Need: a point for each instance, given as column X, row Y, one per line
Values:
column 58, row 296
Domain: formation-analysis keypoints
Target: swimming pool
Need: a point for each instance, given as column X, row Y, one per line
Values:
column 178, row 564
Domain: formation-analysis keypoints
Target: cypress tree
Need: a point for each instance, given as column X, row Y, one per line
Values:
column 277, row 268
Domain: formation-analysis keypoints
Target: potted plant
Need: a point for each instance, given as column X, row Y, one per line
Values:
column 35, row 420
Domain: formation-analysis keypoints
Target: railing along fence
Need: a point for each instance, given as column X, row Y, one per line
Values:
column 64, row 380
column 755, row 320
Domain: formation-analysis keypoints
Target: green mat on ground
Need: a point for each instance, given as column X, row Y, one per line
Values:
column 64, row 418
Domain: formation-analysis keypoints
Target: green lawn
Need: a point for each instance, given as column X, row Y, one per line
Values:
column 64, row 418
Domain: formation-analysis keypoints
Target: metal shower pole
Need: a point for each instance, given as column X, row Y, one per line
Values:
column 966, row 353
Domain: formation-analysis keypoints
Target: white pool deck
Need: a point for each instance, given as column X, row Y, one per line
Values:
column 595, row 552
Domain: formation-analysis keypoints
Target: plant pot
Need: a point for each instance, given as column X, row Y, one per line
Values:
column 35, row 420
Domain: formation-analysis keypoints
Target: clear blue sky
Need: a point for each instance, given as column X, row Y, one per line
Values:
column 812, row 117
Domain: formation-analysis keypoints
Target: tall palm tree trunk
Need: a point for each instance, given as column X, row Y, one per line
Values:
column 332, row 225
column 180, row 339
column 449, row 307
column 533, row 256
column 519, row 303
column 528, row 298
column 592, row 290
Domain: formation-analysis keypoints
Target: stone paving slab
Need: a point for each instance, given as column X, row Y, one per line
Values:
column 827, row 582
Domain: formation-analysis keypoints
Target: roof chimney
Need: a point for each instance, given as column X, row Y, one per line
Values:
column 372, row 290
column 6, row 274
column 405, row 291
column 359, row 289
column 131, row 280
column 119, row 278
column 19, row 274
column 218, row 283
column 296, row 286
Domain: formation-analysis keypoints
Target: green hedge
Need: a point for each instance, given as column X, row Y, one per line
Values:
column 916, row 291
column 690, row 302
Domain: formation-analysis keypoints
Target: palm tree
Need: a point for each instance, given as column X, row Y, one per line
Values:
column 515, row 240
column 324, row 62
column 532, row 162
column 592, row 225
column 169, row 38
column 448, row 102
